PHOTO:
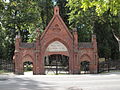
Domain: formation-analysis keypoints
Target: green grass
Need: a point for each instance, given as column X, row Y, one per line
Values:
column 3, row 71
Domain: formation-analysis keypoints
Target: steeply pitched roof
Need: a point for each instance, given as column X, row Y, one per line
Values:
column 27, row 45
column 56, row 17
column 85, row 45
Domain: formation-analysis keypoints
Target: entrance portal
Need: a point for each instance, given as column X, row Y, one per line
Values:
column 56, row 60
column 85, row 67
column 28, row 68
column 56, row 64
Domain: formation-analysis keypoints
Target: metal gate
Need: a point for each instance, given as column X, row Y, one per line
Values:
column 57, row 64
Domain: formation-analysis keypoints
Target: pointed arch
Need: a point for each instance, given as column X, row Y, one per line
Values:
column 27, row 58
column 85, row 57
column 57, row 39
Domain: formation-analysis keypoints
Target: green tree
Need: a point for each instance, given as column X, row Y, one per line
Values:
column 63, row 10
column 100, row 17
column 22, row 16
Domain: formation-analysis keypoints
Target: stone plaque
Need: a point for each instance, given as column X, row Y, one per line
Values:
column 56, row 46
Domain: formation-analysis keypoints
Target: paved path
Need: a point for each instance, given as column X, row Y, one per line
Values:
column 61, row 82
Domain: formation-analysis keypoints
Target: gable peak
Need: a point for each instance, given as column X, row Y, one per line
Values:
column 56, row 10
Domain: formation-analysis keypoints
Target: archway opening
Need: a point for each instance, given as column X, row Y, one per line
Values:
column 56, row 64
column 84, row 67
column 28, row 68
column 56, row 60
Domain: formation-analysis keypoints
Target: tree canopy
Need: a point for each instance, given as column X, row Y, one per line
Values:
column 100, row 17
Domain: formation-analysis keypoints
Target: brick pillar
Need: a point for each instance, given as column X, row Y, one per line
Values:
column 71, row 63
column 75, row 61
column 95, row 55
column 75, row 35
column 41, row 64
column 17, row 55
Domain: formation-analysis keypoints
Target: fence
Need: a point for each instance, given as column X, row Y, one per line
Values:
column 109, row 65
column 6, row 65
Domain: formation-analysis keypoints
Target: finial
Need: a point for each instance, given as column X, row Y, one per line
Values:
column 56, row 10
column 74, row 29
column 18, row 35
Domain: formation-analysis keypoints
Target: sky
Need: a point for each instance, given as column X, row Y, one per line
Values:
column 6, row 0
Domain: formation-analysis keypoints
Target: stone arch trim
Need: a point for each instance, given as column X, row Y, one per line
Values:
column 62, row 53
column 85, row 55
column 27, row 56
column 56, row 39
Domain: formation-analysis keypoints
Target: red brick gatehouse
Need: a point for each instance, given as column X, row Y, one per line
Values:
column 56, row 32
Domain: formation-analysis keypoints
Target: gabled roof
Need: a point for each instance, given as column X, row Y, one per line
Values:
column 56, row 15
column 85, row 45
column 27, row 45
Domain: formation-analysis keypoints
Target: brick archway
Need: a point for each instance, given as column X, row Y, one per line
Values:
column 67, row 53
column 43, row 49
column 27, row 58
column 85, row 58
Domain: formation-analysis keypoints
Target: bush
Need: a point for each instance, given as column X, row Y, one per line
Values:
column 28, row 68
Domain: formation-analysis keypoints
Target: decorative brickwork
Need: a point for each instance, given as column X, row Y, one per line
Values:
column 56, row 31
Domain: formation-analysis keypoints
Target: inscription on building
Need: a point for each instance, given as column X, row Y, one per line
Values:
column 56, row 46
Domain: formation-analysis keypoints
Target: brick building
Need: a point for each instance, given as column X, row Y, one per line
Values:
column 56, row 39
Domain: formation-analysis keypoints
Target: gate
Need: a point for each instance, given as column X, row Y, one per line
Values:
column 57, row 64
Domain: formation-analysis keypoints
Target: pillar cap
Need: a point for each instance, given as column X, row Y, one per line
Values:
column 56, row 10
column 17, row 36
column 74, row 29
column 93, row 36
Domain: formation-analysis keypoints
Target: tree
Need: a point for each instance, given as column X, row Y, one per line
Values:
column 98, row 17
column 63, row 10
column 22, row 16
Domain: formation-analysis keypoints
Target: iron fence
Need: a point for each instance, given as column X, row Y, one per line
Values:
column 109, row 65
column 6, row 65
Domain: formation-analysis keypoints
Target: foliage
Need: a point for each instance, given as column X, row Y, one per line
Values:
column 88, row 16
column 23, row 17
column 101, row 5
column 63, row 10
column 100, row 17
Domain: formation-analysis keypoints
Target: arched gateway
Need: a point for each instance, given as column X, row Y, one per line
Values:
column 56, row 40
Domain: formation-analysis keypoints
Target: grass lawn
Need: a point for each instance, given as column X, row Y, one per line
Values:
column 3, row 71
